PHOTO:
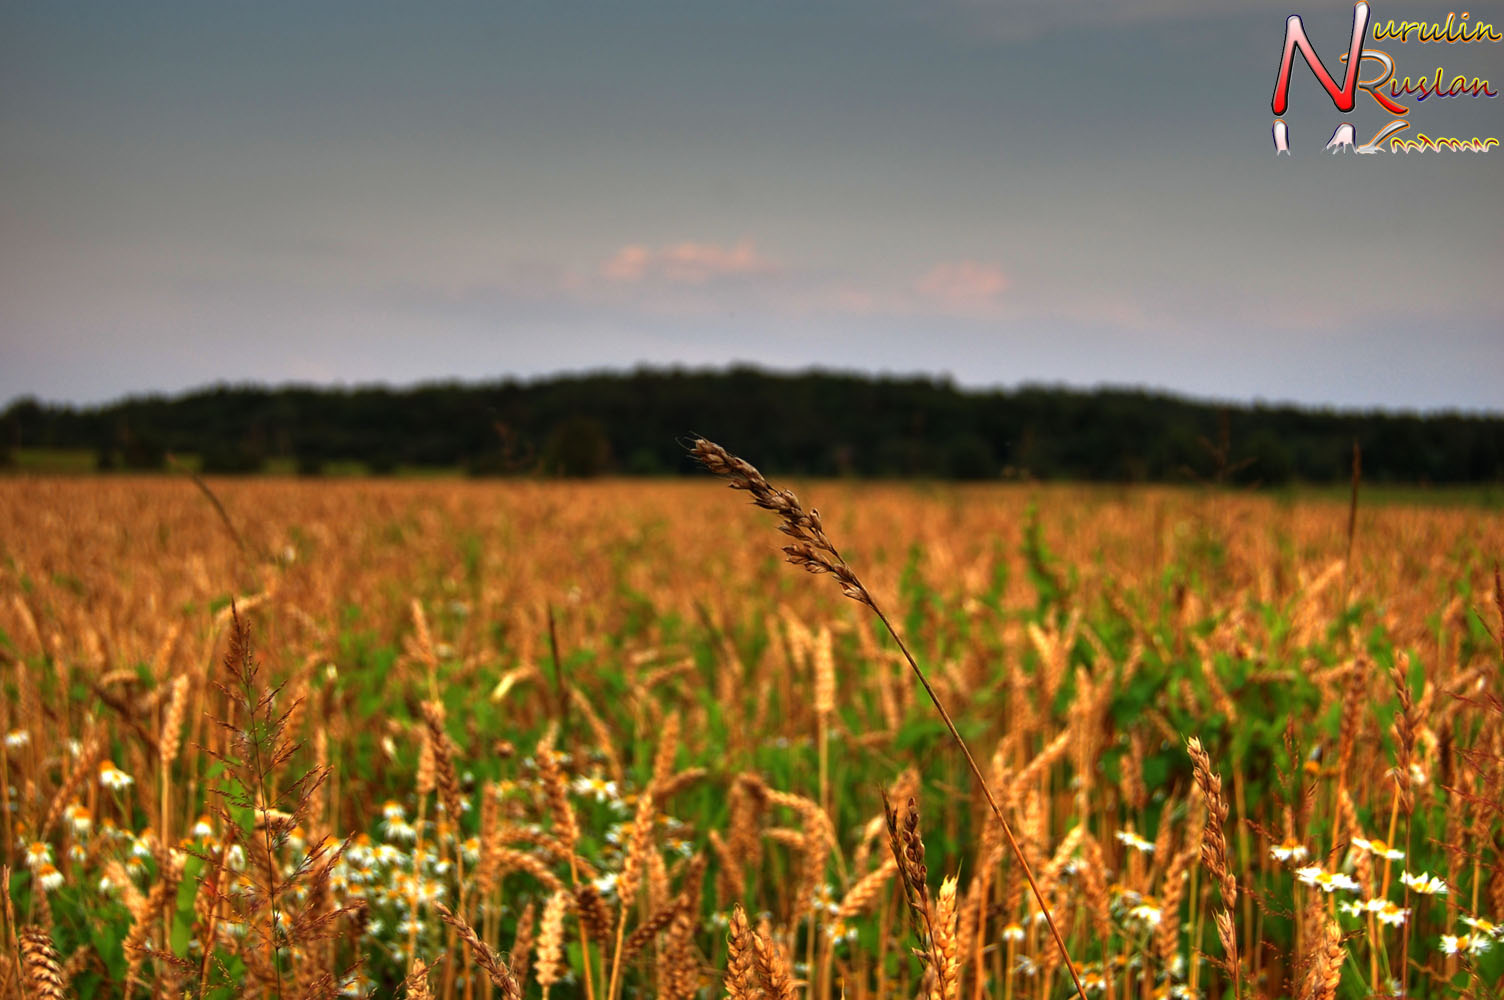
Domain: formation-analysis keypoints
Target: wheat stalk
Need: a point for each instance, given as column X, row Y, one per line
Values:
column 1214, row 855
column 550, row 946
column 415, row 986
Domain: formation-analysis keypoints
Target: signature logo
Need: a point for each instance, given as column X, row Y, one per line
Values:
column 1382, row 85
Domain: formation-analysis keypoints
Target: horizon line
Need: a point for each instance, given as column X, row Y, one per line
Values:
column 943, row 379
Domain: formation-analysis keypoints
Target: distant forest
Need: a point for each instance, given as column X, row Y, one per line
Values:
column 821, row 424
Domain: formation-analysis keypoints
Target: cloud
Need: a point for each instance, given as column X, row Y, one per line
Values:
column 965, row 286
column 686, row 263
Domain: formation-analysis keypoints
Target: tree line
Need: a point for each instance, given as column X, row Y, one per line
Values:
column 813, row 423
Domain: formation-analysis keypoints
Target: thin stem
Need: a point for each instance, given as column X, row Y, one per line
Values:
column 621, row 925
column 255, row 732
column 986, row 792
column 574, row 882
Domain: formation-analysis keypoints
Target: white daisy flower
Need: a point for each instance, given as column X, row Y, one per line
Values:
column 1428, row 885
column 113, row 778
column 1484, row 926
column 398, row 828
column 1388, row 913
column 1326, row 881
column 1472, row 944
column 1290, row 850
column 38, row 853
column 79, row 817
column 49, row 878
column 386, row 854
column 1378, row 848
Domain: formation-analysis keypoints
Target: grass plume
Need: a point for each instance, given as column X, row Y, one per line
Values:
column 813, row 550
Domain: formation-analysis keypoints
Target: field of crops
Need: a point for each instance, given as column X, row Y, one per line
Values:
column 597, row 739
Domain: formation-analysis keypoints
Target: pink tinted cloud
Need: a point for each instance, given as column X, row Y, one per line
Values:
column 686, row 263
column 964, row 285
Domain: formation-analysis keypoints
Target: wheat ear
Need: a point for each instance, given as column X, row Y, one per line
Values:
column 43, row 974
column 496, row 970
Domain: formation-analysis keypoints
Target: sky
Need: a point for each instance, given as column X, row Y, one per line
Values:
column 1059, row 191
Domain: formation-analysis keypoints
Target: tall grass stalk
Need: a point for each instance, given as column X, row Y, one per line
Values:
column 813, row 551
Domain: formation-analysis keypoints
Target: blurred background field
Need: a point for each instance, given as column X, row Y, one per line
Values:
column 644, row 637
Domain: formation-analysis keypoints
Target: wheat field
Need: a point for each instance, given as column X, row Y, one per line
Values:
column 597, row 739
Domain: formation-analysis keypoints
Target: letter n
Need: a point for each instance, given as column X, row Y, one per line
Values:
column 1345, row 97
